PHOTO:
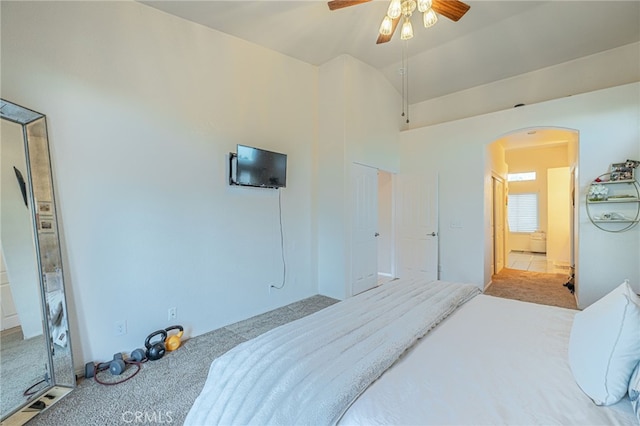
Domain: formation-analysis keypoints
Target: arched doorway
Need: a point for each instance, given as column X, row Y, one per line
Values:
column 533, row 176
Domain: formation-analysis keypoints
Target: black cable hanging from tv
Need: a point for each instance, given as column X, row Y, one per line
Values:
column 284, row 262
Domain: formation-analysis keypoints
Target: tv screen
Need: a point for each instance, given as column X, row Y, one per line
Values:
column 258, row 167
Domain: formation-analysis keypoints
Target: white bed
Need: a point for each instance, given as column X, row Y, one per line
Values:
column 492, row 361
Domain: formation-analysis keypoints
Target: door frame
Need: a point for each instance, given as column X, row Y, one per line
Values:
column 496, row 179
column 392, row 238
column 573, row 139
column 392, row 220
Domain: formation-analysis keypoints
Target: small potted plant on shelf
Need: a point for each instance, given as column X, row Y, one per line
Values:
column 598, row 192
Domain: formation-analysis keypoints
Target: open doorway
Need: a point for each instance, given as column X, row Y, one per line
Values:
column 499, row 205
column 533, row 215
column 386, row 237
column 373, row 239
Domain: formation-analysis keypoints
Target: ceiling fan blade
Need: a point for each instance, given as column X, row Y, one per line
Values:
column 452, row 9
column 386, row 38
column 339, row 4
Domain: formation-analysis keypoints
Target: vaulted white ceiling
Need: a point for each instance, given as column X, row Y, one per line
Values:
column 493, row 41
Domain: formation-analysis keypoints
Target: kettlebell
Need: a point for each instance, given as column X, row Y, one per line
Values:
column 173, row 342
column 155, row 350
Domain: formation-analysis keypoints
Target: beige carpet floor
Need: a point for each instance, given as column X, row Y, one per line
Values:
column 163, row 392
column 29, row 358
column 535, row 287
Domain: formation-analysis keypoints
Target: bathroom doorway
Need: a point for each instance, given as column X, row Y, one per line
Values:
column 535, row 206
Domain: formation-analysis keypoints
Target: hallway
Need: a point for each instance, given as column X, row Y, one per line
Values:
column 530, row 277
column 530, row 286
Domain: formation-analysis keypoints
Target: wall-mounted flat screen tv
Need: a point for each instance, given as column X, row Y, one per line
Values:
column 259, row 167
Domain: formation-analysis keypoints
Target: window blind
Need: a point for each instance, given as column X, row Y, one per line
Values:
column 523, row 212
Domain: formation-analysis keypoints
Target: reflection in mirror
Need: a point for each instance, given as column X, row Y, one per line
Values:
column 35, row 350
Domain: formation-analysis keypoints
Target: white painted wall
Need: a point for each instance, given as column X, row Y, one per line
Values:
column 358, row 122
column 331, row 176
column 143, row 109
column 609, row 125
column 581, row 75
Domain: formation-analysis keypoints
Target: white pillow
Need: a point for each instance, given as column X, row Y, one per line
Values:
column 604, row 346
column 634, row 391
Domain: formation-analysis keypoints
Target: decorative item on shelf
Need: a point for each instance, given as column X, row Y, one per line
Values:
column 598, row 192
column 611, row 216
column 623, row 171
column 632, row 164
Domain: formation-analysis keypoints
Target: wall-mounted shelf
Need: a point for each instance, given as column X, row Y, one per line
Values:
column 616, row 200
column 614, row 221
column 614, row 205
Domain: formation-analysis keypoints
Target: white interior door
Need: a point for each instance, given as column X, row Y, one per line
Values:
column 498, row 225
column 8, row 314
column 364, row 245
column 417, row 213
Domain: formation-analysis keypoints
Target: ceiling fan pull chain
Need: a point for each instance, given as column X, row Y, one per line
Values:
column 402, row 71
column 406, row 78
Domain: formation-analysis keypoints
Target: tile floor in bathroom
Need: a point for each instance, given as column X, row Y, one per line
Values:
column 536, row 262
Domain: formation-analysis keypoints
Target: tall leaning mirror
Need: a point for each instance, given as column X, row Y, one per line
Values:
column 36, row 368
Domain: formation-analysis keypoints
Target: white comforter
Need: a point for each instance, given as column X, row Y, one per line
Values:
column 310, row 371
column 493, row 362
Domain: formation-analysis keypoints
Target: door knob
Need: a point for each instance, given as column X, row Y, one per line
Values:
column 376, row 234
column 433, row 234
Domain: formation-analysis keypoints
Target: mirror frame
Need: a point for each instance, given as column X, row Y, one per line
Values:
column 38, row 158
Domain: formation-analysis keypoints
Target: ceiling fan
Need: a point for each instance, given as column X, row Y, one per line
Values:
column 452, row 9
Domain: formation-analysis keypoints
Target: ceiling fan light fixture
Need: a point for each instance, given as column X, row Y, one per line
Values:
column 408, row 7
column 424, row 5
column 386, row 26
column 407, row 29
column 395, row 9
column 429, row 18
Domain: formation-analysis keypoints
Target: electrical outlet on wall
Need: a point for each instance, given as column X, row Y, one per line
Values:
column 120, row 328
